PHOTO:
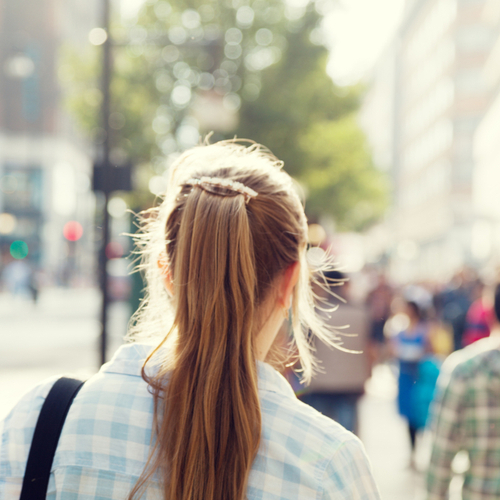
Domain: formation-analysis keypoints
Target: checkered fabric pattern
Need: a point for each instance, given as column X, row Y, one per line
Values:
column 467, row 418
column 105, row 442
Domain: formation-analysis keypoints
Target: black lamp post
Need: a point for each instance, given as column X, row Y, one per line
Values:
column 107, row 177
column 103, row 275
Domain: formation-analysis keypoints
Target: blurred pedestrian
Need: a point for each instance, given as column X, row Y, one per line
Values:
column 335, row 390
column 17, row 275
column 467, row 418
column 378, row 303
column 224, row 258
column 452, row 305
column 480, row 316
column 417, row 370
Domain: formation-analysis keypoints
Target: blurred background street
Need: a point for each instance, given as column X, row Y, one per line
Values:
column 57, row 335
column 385, row 113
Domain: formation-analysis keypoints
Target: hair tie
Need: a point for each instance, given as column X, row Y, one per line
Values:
column 215, row 184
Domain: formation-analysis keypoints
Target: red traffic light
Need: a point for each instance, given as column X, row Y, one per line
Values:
column 72, row 230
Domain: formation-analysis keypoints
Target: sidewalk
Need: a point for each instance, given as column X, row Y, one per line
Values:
column 385, row 436
column 58, row 335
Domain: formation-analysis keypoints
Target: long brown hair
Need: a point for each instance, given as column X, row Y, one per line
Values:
column 223, row 255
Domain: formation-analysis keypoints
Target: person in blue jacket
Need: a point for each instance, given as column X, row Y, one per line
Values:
column 418, row 370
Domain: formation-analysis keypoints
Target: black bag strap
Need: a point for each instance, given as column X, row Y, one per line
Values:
column 47, row 431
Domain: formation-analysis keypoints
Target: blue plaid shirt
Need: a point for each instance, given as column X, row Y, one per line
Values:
column 105, row 442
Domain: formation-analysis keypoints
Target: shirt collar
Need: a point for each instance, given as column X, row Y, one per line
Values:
column 272, row 381
column 130, row 358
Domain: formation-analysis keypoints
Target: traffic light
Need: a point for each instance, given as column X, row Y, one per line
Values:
column 19, row 249
column 72, row 230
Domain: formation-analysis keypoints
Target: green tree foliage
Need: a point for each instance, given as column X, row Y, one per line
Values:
column 132, row 91
column 340, row 176
column 261, row 57
column 309, row 122
column 168, row 58
column 295, row 93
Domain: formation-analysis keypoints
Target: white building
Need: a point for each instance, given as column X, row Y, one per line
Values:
column 486, row 180
column 45, row 168
column 438, row 99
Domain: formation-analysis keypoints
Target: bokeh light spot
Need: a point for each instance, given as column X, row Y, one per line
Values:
column 264, row 36
column 190, row 19
column 7, row 223
column 177, row 35
column 207, row 12
column 117, row 207
column 182, row 70
column 19, row 249
column 315, row 257
column 19, row 66
column 162, row 10
column 233, row 35
column 232, row 102
column 157, row 185
column 232, row 51
column 245, row 16
column 181, row 95
column 97, row 36
column 316, row 234
column 162, row 125
column 206, row 81
column 170, row 53
column 164, row 82
column 72, row 230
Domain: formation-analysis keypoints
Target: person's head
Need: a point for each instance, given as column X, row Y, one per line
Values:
column 414, row 311
column 224, row 258
column 478, row 289
column 381, row 279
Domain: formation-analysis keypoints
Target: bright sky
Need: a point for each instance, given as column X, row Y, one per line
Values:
column 358, row 31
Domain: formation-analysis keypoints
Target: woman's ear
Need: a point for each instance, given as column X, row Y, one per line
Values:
column 288, row 282
column 164, row 267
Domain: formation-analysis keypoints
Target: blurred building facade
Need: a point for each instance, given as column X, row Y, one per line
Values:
column 486, row 199
column 44, row 166
column 431, row 102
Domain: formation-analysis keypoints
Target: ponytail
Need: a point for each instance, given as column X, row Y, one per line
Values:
column 210, row 427
column 211, row 400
